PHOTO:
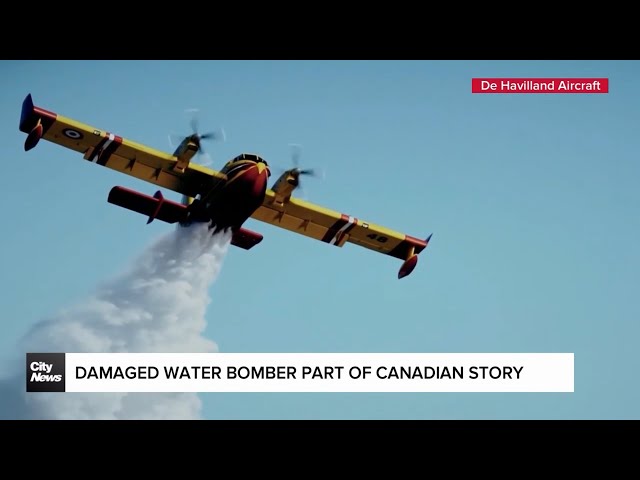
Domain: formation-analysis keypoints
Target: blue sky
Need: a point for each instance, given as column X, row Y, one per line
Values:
column 532, row 200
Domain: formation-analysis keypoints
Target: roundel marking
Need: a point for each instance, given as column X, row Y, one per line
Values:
column 74, row 134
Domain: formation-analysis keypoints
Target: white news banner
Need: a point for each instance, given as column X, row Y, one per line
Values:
column 309, row 372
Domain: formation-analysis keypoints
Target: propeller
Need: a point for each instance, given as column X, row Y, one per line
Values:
column 296, row 171
column 218, row 134
column 197, row 137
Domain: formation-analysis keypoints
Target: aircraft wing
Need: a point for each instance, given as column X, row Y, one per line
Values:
column 337, row 229
column 112, row 151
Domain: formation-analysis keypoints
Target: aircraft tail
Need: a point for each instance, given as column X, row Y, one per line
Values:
column 158, row 207
column 154, row 207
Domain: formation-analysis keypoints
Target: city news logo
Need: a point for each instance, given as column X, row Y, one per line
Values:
column 45, row 372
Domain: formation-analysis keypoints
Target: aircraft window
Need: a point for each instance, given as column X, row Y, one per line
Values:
column 249, row 156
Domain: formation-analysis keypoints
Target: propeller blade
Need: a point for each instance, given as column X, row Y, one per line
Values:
column 296, row 153
column 218, row 134
column 313, row 172
column 296, row 171
column 202, row 157
column 193, row 122
column 175, row 139
column 303, row 192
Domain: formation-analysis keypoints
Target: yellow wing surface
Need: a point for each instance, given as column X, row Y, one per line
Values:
column 112, row 151
column 337, row 229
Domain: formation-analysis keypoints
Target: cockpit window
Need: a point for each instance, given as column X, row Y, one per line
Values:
column 250, row 156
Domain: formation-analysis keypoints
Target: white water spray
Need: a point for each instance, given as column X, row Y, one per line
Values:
column 158, row 305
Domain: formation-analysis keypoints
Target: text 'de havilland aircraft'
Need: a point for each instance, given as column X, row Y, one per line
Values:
column 225, row 199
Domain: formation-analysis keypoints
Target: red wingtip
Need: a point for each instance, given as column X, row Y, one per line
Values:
column 408, row 266
column 34, row 137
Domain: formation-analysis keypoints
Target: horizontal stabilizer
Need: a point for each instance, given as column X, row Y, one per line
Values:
column 171, row 212
column 152, row 207
column 246, row 239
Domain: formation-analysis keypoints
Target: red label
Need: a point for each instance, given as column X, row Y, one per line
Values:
column 539, row 85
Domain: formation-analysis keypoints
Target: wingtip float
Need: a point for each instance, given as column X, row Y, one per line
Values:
column 31, row 124
column 224, row 199
column 412, row 258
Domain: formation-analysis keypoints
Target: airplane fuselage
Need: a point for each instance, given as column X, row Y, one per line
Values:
column 230, row 204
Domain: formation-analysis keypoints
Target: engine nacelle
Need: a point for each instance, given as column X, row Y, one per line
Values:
column 284, row 186
column 184, row 153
